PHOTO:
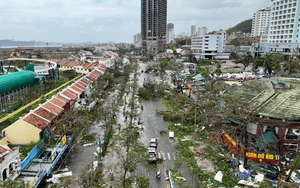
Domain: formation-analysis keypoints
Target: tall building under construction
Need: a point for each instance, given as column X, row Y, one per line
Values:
column 153, row 25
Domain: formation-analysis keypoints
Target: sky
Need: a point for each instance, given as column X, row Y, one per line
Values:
column 112, row 20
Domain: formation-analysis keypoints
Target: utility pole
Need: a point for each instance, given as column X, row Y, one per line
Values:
column 196, row 109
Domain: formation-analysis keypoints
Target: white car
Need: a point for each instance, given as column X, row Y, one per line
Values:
column 153, row 143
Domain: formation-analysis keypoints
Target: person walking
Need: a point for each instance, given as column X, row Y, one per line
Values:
column 142, row 108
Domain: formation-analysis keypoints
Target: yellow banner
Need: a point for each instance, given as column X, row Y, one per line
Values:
column 64, row 140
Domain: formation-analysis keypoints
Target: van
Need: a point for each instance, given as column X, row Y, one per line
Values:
column 171, row 134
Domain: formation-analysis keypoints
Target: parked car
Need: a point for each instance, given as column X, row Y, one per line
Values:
column 153, row 143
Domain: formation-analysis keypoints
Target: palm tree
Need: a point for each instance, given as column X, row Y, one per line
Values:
column 271, row 62
column 291, row 66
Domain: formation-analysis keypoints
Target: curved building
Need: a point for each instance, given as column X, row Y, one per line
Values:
column 12, row 82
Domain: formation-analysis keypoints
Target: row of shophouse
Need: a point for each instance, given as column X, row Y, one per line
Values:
column 39, row 122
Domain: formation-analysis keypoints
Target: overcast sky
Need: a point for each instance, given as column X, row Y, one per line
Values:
column 112, row 20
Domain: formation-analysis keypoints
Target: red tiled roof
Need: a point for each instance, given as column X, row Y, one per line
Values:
column 70, row 94
column 81, row 84
column 62, row 98
column 103, row 66
column 95, row 74
column 36, row 121
column 53, row 108
column 58, row 102
column 85, row 81
column 2, row 149
column 77, row 88
column 45, row 114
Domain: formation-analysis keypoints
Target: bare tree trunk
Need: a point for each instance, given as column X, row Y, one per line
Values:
column 124, row 178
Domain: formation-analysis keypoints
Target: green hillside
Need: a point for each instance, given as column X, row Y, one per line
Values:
column 244, row 27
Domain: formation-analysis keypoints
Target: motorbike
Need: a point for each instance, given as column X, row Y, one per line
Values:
column 158, row 173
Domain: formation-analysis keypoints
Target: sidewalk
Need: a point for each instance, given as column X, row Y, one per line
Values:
column 110, row 160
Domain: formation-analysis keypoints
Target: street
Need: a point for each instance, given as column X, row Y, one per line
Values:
column 81, row 157
column 153, row 124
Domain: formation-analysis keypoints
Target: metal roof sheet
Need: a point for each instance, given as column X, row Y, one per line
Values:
column 15, row 81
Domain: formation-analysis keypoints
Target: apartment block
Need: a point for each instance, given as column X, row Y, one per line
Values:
column 284, row 23
column 153, row 25
column 260, row 22
column 209, row 45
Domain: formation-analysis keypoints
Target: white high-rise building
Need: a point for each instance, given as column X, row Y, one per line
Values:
column 170, row 32
column 202, row 31
column 209, row 45
column 284, row 23
column 260, row 22
column 193, row 30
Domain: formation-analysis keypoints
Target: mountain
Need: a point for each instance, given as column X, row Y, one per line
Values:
column 244, row 27
column 13, row 43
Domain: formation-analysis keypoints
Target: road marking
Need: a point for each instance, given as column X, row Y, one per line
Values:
column 169, row 157
column 163, row 155
column 174, row 156
column 158, row 155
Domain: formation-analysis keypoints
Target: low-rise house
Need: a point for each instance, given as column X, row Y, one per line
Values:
column 10, row 163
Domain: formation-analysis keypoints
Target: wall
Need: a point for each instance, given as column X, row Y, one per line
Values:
column 21, row 132
column 30, row 156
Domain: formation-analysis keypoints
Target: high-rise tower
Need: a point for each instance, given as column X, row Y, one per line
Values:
column 153, row 25
column 193, row 30
column 170, row 32
column 260, row 22
column 284, row 21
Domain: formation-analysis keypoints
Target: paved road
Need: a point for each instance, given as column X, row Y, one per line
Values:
column 153, row 124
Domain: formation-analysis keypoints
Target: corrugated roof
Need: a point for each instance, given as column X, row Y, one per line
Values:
column 285, row 105
column 255, row 91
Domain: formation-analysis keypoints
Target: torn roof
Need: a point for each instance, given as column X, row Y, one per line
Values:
column 254, row 91
column 36, row 121
column 285, row 105
column 45, row 114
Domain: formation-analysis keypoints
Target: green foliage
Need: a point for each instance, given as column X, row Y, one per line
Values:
column 24, row 150
column 8, row 183
column 241, row 42
column 203, row 62
column 151, row 90
column 271, row 62
column 139, row 182
column 88, row 138
column 201, row 70
column 244, row 27
column 291, row 66
column 245, row 60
